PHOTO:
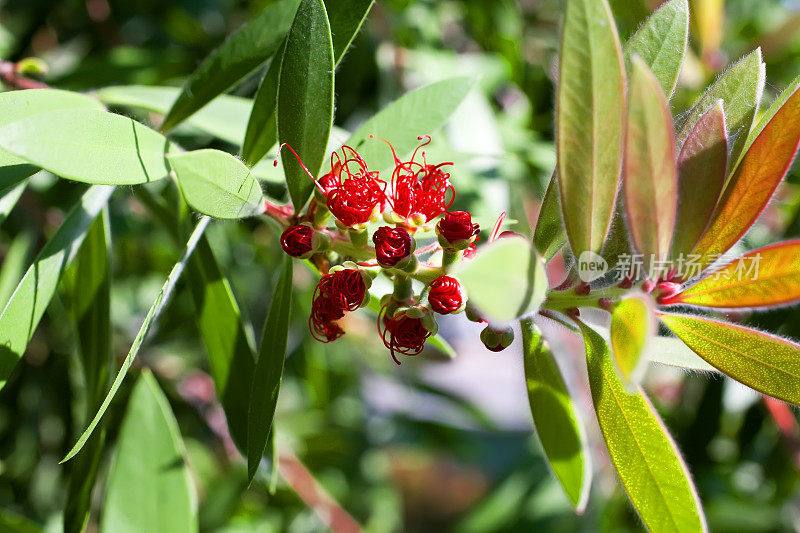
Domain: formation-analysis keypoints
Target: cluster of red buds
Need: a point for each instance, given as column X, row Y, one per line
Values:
column 391, row 214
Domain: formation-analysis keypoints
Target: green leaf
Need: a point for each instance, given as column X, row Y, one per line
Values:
column 754, row 181
column 269, row 369
column 646, row 459
column 89, row 146
column 10, row 195
column 555, row 417
column 14, row 264
column 549, row 235
column 740, row 88
column 702, row 165
column 305, row 97
column 149, row 486
column 650, row 176
column 505, row 279
column 11, row 522
column 761, row 361
column 225, row 117
column 237, row 57
column 346, row 18
column 661, row 43
column 152, row 315
column 767, row 115
column 217, row 184
column 230, row 351
column 633, row 324
column 416, row 113
column 32, row 296
column 589, row 122
column 92, row 312
column 262, row 126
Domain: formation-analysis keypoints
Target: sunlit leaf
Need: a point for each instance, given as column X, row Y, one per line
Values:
column 649, row 172
column 589, row 122
column 9, row 196
column 91, row 305
column 245, row 50
column 346, row 17
column 268, row 371
column 758, row 175
column 555, row 417
column 505, row 279
column 152, row 316
column 762, row 361
column 646, row 459
column 633, row 324
column 549, row 235
column 740, row 89
column 416, row 113
column 88, row 145
column 702, row 165
column 224, row 117
column 217, row 184
column 305, row 97
column 14, row 264
column 149, row 487
column 24, row 310
column 765, row 277
column 661, row 42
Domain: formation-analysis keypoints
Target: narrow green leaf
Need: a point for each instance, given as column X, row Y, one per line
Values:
column 152, row 315
column 262, row 126
column 761, row 361
column 767, row 115
column 14, row 264
column 549, row 235
column 237, row 57
column 505, row 280
column 555, row 417
column 633, row 324
column 646, row 459
column 346, row 17
column 589, row 122
column 305, row 97
column 740, row 88
column 28, row 303
column 149, row 486
column 661, row 43
column 89, row 146
column 416, row 113
column 650, row 177
column 230, row 351
column 269, row 369
column 11, row 522
column 92, row 312
column 10, row 195
column 702, row 166
column 217, row 184
column 754, row 181
column 225, row 117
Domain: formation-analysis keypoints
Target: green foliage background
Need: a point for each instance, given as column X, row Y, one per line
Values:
column 408, row 466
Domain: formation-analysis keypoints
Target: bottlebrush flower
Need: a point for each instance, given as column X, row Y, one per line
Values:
column 445, row 295
column 336, row 293
column 419, row 192
column 456, row 230
column 402, row 333
column 296, row 241
column 392, row 245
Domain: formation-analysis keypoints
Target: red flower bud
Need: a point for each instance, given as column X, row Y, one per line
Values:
column 296, row 240
column 347, row 287
column 335, row 294
column 392, row 245
column 445, row 295
column 457, row 226
column 402, row 334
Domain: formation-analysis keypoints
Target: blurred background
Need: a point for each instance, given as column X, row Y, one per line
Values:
column 433, row 445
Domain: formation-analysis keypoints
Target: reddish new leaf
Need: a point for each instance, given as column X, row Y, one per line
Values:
column 758, row 175
column 702, row 166
column 765, row 277
column 650, row 180
column 762, row 361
